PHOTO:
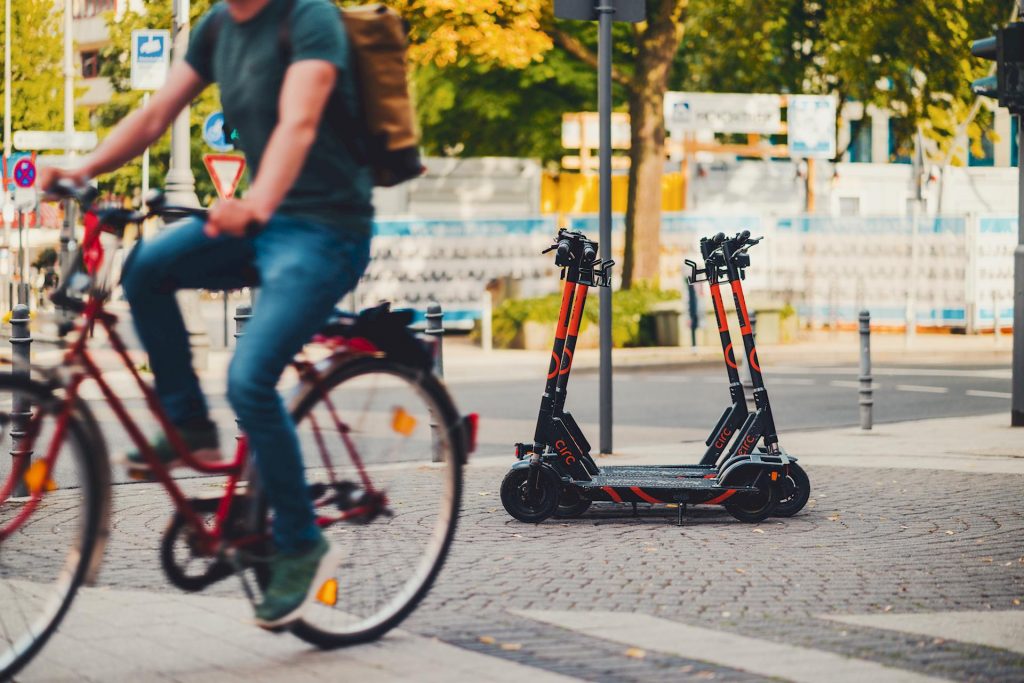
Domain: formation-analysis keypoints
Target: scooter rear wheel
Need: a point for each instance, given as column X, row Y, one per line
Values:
column 793, row 502
column 531, row 501
column 754, row 507
column 571, row 504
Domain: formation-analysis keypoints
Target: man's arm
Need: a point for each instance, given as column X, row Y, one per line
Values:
column 307, row 87
column 138, row 130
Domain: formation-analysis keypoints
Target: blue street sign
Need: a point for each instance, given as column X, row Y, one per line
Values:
column 11, row 162
column 213, row 133
column 24, row 173
column 151, row 56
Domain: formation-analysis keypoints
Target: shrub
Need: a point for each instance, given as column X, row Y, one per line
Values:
column 628, row 307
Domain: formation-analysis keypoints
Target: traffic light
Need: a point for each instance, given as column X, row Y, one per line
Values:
column 1006, row 49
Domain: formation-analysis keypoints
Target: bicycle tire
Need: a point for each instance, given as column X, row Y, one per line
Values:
column 83, row 558
column 434, row 393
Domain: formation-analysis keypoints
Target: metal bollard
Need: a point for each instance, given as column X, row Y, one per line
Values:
column 866, row 400
column 435, row 328
column 243, row 313
column 21, row 411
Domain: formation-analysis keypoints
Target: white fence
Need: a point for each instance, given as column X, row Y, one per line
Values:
column 828, row 268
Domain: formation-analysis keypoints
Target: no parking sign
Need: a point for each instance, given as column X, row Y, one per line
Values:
column 24, row 173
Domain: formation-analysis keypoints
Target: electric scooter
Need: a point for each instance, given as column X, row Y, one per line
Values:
column 556, row 473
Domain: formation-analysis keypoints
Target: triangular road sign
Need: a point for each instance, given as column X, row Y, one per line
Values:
column 225, row 170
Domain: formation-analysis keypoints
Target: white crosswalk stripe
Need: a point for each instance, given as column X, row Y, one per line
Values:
column 999, row 629
column 989, row 394
column 922, row 389
column 754, row 655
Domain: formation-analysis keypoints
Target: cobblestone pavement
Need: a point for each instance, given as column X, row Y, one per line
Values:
column 870, row 542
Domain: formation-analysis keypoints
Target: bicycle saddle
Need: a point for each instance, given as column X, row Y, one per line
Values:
column 386, row 329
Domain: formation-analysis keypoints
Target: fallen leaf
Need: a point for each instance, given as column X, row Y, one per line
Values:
column 887, row 608
column 484, row 493
column 758, row 531
column 1008, row 564
column 511, row 647
column 949, row 532
column 487, row 640
column 987, row 560
column 726, row 615
column 834, row 518
column 740, row 571
column 636, row 653
column 1016, row 602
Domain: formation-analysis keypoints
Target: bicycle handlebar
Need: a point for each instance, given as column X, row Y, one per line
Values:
column 156, row 203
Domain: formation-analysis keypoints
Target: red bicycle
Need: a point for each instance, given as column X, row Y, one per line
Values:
column 383, row 443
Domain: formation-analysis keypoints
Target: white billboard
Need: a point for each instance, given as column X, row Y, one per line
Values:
column 687, row 112
column 812, row 126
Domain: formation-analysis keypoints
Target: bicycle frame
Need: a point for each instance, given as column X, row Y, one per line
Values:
column 208, row 539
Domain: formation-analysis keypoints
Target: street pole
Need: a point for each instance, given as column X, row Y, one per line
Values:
column 8, row 142
column 7, row 80
column 145, row 182
column 605, row 10
column 1017, row 403
column 180, row 183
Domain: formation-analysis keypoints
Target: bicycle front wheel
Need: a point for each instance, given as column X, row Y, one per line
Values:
column 384, row 450
column 50, row 519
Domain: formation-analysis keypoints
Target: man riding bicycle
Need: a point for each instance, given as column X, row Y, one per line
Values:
column 302, row 232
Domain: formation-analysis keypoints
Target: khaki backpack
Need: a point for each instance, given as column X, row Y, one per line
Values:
column 382, row 133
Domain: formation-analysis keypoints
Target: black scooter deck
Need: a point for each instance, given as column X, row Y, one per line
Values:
column 656, row 486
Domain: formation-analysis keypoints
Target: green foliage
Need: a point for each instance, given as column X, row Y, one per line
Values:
column 912, row 58
column 628, row 308
column 474, row 109
column 117, row 66
column 37, row 93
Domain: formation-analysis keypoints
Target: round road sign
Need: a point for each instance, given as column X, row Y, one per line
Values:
column 24, row 173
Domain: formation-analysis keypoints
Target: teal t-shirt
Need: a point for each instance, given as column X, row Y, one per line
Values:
column 246, row 62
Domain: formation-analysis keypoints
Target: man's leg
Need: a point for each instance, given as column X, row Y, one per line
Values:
column 181, row 257
column 304, row 269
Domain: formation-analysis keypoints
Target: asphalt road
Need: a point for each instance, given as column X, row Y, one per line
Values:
column 802, row 398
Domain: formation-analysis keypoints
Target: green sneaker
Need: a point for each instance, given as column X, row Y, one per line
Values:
column 295, row 581
column 203, row 442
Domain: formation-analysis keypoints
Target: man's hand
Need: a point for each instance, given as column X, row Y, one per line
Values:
column 48, row 177
column 233, row 217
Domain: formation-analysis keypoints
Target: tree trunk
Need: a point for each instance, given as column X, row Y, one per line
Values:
column 647, row 164
column 657, row 44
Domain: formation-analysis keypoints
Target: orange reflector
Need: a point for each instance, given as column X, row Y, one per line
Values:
column 402, row 422
column 37, row 479
column 775, row 476
column 328, row 593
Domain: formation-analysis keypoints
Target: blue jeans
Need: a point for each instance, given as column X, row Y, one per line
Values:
column 303, row 269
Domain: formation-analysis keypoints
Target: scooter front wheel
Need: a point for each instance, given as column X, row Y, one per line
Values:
column 571, row 504
column 754, row 507
column 531, row 494
column 797, row 490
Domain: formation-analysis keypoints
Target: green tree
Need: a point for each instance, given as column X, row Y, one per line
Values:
column 37, row 92
column 910, row 58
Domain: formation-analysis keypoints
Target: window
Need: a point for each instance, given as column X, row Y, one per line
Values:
column 83, row 9
column 90, row 64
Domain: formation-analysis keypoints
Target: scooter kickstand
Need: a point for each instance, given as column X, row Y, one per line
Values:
column 634, row 509
column 682, row 510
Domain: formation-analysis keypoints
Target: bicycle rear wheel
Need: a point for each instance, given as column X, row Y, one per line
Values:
column 50, row 522
column 383, row 445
